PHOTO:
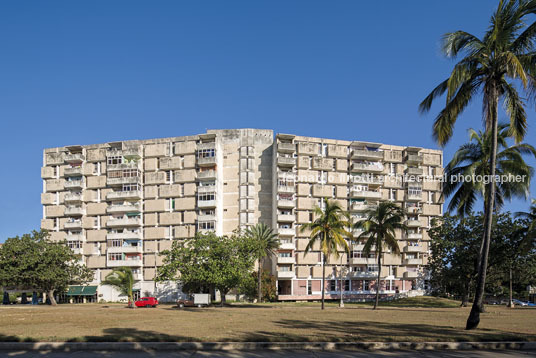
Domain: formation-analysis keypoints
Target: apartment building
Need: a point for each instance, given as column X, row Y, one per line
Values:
column 122, row 203
column 357, row 175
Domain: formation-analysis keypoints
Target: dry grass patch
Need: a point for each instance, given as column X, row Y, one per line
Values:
column 273, row 322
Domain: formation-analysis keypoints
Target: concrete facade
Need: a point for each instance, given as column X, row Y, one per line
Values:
column 122, row 203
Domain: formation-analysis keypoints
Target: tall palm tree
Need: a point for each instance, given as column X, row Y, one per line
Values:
column 492, row 65
column 472, row 159
column 123, row 280
column 266, row 244
column 379, row 231
column 329, row 228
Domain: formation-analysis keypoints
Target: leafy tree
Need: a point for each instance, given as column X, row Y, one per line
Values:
column 491, row 65
column 329, row 228
column 209, row 261
column 266, row 243
column 379, row 231
column 249, row 286
column 34, row 262
column 123, row 280
column 473, row 158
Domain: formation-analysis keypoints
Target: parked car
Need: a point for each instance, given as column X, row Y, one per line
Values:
column 146, row 302
column 519, row 303
column 197, row 299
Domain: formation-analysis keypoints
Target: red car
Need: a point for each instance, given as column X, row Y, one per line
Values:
column 146, row 302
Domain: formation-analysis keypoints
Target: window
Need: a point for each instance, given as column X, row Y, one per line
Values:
column 206, row 225
column 333, row 285
column 74, row 244
column 116, row 159
column 430, row 197
column 309, row 288
column 392, row 168
column 285, row 254
column 115, row 243
column 347, row 285
column 366, row 285
column 206, row 153
column 131, row 187
column 115, row 257
column 206, row 197
column 169, row 178
column 391, row 194
column 372, row 268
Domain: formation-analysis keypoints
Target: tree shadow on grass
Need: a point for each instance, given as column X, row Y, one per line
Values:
column 351, row 331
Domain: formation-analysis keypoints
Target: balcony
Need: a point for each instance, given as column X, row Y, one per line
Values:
column 285, row 203
column 73, row 184
column 413, row 223
column 74, row 171
column 287, row 246
column 74, row 224
column 367, row 167
column 123, row 208
column 127, row 263
column 206, row 189
column 74, row 157
column 127, row 152
column 202, row 217
column 414, row 195
column 363, row 261
column 117, row 195
column 125, row 249
column 362, row 207
column 286, row 189
column 413, row 171
column 285, row 217
column 137, row 276
column 75, row 237
column 364, row 274
column 206, row 161
column 286, row 260
column 414, row 210
column 74, row 211
column 367, row 154
column 123, row 222
column 414, row 236
column 123, row 180
column 207, row 175
column 286, row 161
column 366, row 179
column 129, row 235
column 413, row 159
column 411, row 274
column 413, row 261
column 286, row 147
column 73, row 197
column 365, row 194
column 206, row 204
column 412, row 248
column 123, row 166
column 285, row 274
column 286, row 231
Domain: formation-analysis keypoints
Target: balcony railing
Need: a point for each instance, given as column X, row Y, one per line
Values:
column 124, row 222
column 411, row 274
column 367, row 194
column 413, row 171
column 128, row 263
column 125, row 249
column 414, row 158
column 285, row 203
column 287, row 189
column 286, row 161
column 207, row 175
column 413, row 223
column 73, row 184
column 203, row 218
column 74, row 210
column 286, row 231
column 413, row 261
column 134, row 194
column 74, row 171
column 123, row 208
column 414, row 195
column 75, row 224
column 412, row 248
column 123, row 180
column 206, row 203
column 206, row 161
column 286, row 147
column 364, row 274
column 123, row 235
column 123, row 166
column 74, row 157
column 367, row 154
column 285, row 274
column 366, row 167
column 363, row 261
column 363, row 207
column 285, row 217
column 73, row 197
column 286, row 260
column 287, row 246
column 206, row 189
column 414, row 236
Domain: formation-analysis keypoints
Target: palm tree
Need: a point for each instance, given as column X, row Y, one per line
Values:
column 472, row 159
column 379, row 230
column 329, row 228
column 266, row 244
column 122, row 279
column 491, row 65
column 531, row 218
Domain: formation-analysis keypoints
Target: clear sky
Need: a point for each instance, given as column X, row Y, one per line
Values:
column 84, row 72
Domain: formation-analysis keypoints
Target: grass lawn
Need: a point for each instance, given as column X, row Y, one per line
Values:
column 416, row 319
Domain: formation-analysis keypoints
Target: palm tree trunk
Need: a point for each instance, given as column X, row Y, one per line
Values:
column 341, row 302
column 474, row 317
column 378, row 281
column 259, row 283
column 323, row 277
column 510, row 302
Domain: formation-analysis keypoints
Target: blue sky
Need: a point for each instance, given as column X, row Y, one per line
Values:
column 74, row 72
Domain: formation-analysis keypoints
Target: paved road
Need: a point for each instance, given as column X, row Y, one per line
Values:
column 279, row 354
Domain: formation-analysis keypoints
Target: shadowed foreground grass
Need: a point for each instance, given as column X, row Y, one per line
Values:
column 423, row 321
